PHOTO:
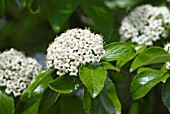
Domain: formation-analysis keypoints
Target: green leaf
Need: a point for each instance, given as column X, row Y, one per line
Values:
column 93, row 78
column 58, row 12
column 119, row 51
column 109, row 66
column 165, row 76
column 101, row 16
column 2, row 8
column 144, row 82
column 139, row 48
column 29, row 103
column 70, row 104
column 87, row 102
column 152, row 55
column 6, row 104
column 48, row 99
column 65, row 84
column 142, row 69
column 166, row 94
column 106, row 102
column 42, row 77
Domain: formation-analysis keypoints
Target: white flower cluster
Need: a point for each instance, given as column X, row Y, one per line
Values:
column 145, row 25
column 73, row 48
column 17, row 71
column 167, row 48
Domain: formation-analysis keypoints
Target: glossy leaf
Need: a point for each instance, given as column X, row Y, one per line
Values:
column 100, row 14
column 70, row 104
column 29, row 103
column 48, row 99
column 121, row 63
column 87, row 102
column 119, row 51
column 65, row 84
column 108, row 66
column 6, row 104
column 93, row 78
column 2, row 8
column 42, row 77
column 58, row 12
column 152, row 55
column 144, row 82
column 142, row 69
column 106, row 102
column 139, row 48
column 165, row 76
column 166, row 94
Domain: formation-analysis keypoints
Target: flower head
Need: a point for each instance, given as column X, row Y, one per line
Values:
column 17, row 71
column 145, row 25
column 73, row 48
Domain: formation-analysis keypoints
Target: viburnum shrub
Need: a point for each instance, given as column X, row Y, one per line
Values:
column 77, row 60
column 82, row 64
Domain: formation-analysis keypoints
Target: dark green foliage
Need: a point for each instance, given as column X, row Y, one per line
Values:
column 109, row 87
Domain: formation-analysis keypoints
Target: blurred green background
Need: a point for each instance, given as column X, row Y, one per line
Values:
column 30, row 25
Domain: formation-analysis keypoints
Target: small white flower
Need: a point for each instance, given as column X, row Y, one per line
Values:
column 75, row 63
column 9, row 84
column 16, row 93
column 16, row 85
column 8, row 90
column 73, row 48
column 23, row 85
column 145, row 25
column 3, row 82
column 60, row 72
column 73, row 72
